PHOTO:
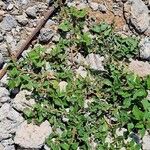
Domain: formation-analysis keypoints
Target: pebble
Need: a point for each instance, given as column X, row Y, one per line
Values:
column 102, row 8
column 10, row 7
column 95, row 61
column 145, row 48
column 146, row 140
column 45, row 35
column 20, row 101
column 94, row 6
column 139, row 68
column 1, row 60
column 31, row 12
column 1, row 38
column 22, row 20
column 137, row 15
column 34, row 137
column 8, row 23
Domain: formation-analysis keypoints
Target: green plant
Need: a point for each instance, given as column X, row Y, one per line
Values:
column 91, row 108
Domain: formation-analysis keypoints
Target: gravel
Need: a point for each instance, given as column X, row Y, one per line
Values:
column 145, row 48
column 8, row 23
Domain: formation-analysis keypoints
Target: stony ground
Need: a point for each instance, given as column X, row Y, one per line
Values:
column 18, row 18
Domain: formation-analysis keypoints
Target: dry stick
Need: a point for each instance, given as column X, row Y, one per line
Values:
column 22, row 48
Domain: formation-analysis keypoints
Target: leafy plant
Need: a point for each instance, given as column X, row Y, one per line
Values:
column 90, row 109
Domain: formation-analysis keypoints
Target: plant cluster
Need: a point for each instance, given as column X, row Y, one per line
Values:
column 93, row 108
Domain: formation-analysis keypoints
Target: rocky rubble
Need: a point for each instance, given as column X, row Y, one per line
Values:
column 17, row 21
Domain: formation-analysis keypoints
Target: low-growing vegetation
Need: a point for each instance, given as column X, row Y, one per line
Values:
column 88, row 111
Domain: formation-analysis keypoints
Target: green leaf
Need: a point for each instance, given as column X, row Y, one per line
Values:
column 65, row 26
column 65, row 146
column 146, row 104
column 138, row 114
column 140, row 93
column 148, row 82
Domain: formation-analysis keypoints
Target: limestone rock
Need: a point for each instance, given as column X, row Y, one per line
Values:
column 137, row 15
column 145, row 48
column 4, row 95
column 32, row 136
column 139, row 67
column 146, row 141
column 45, row 35
column 20, row 102
column 9, row 121
column 8, row 23
column 95, row 61
column 31, row 12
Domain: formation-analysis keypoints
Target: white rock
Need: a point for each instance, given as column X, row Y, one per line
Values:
column 94, row 5
column 62, row 86
column 95, row 61
column 87, row 102
column 31, row 12
column 145, row 48
column 20, row 102
column 137, row 15
column 32, row 136
column 120, row 131
column 79, row 58
column 4, row 95
column 146, row 142
column 9, row 121
column 140, row 68
column 81, row 71
column 1, row 147
column 102, row 8
column 22, row 20
column 10, row 7
column 46, row 147
column 1, row 60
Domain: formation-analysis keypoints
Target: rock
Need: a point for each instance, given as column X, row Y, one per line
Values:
column 49, row 2
column 87, row 102
column 32, row 136
column 4, row 80
column 9, row 121
column 20, row 102
column 8, row 23
column 146, row 141
column 81, row 71
column 45, row 35
column 22, row 20
column 137, row 15
column 145, row 48
column 95, row 62
column 1, row 147
column 23, row 2
column 9, row 38
column 1, row 38
column 46, row 147
column 1, row 60
column 140, row 68
column 102, row 8
column 31, row 12
column 94, row 6
column 4, row 51
column 4, row 95
column 62, row 86
column 79, row 58
column 120, row 131
column 49, row 23
column 10, row 7
column 8, row 144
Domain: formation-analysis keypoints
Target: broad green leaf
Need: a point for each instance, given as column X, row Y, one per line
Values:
column 138, row 114
column 65, row 26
